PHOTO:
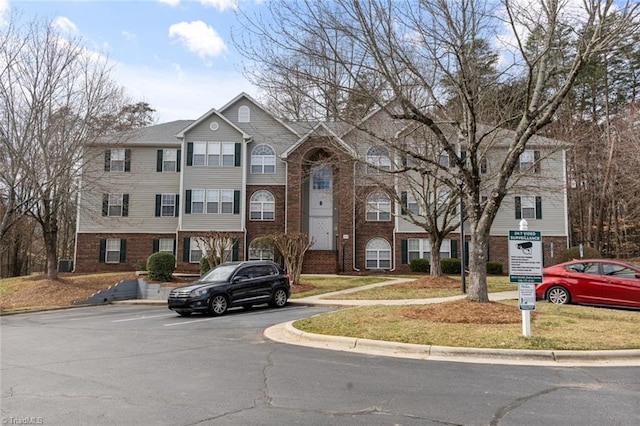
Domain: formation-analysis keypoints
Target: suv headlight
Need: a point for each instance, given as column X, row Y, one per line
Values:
column 199, row 292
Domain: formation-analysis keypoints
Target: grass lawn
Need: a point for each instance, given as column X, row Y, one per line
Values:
column 484, row 325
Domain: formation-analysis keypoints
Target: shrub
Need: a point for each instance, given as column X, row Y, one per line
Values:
column 574, row 253
column 161, row 266
column 419, row 265
column 494, row 267
column 204, row 266
column 450, row 266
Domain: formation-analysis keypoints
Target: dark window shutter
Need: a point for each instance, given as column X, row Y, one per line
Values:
column 178, row 160
column 103, row 251
column 405, row 251
column 236, row 202
column 538, row 207
column 518, row 203
column 156, row 246
column 237, row 156
column 536, row 158
column 189, row 153
column 107, row 160
column 186, row 244
column 454, row 248
column 125, row 205
column 105, row 204
column 123, row 251
column 158, row 204
column 404, row 160
column 159, row 159
column 177, row 209
column 175, row 243
column 483, row 165
column 127, row 160
column 403, row 203
column 187, row 202
column 235, row 251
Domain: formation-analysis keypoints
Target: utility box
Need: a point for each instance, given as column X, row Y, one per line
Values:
column 65, row 265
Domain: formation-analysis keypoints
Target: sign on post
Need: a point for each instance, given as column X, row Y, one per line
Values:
column 525, row 256
column 527, row 296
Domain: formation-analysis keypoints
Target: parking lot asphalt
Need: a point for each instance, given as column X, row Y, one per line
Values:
column 287, row 333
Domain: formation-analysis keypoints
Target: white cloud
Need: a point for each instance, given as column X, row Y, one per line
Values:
column 170, row 2
column 221, row 5
column 177, row 94
column 4, row 9
column 65, row 25
column 199, row 38
column 128, row 35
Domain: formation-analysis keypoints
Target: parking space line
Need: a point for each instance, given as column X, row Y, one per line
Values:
column 143, row 317
column 189, row 322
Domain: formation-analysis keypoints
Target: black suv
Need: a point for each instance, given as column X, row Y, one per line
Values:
column 232, row 284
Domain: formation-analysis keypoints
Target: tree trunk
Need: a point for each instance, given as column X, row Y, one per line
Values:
column 477, row 289
column 435, row 268
column 51, row 248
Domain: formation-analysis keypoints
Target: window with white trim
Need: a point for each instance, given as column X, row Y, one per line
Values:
column 412, row 205
column 244, row 114
column 378, row 207
column 262, row 206
column 117, row 160
column 168, row 205
column 169, row 160
column 421, row 249
column 115, row 204
column 112, row 253
column 444, row 159
column 197, row 201
column 199, row 153
column 213, row 201
column 378, row 159
column 166, row 245
column 528, row 207
column 260, row 250
column 213, row 154
column 321, row 178
column 228, row 154
column 226, row 205
column 195, row 251
column 263, row 160
column 378, row 254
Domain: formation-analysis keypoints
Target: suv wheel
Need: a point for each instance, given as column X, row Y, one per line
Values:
column 218, row 305
column 279, row 298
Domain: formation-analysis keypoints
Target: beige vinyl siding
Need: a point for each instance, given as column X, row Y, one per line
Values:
column 263, row 128
column 212, row 177
column 142, row 184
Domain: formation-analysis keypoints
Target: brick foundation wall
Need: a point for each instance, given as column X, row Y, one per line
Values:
column 183, row 266
column 138, row 248
column 320, row 262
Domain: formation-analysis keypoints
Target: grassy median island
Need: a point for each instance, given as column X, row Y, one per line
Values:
column 484, row 325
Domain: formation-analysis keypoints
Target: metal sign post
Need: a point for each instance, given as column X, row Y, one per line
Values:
column 525, row 269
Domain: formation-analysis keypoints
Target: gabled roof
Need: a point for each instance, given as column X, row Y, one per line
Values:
column 154, row 134
column 316, row 130
column 207, row 115
column 257, row 104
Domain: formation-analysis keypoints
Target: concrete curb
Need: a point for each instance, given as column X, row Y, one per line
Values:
column 287, row 333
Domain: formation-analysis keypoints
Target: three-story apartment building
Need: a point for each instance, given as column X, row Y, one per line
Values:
column 242, row 171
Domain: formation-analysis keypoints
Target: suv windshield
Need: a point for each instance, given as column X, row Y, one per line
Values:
column 221, row 273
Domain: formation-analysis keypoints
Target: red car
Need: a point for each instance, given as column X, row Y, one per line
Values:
column 591, row 281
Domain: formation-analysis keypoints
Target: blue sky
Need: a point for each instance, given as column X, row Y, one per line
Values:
column 177, row 55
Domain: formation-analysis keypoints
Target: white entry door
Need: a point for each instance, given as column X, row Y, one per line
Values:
column 321, row 232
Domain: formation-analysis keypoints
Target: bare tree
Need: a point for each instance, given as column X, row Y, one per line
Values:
column 415, row 47
column 292, row 246
column 54, row 97
column 216, row 246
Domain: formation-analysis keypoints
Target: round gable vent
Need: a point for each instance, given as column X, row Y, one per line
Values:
column 214, row 126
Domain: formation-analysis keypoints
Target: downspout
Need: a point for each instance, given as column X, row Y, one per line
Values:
column 353, row 225
column 75, row 243
column 566, row 200
column 395, row 230
column 183, row 159
column 243, row 192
